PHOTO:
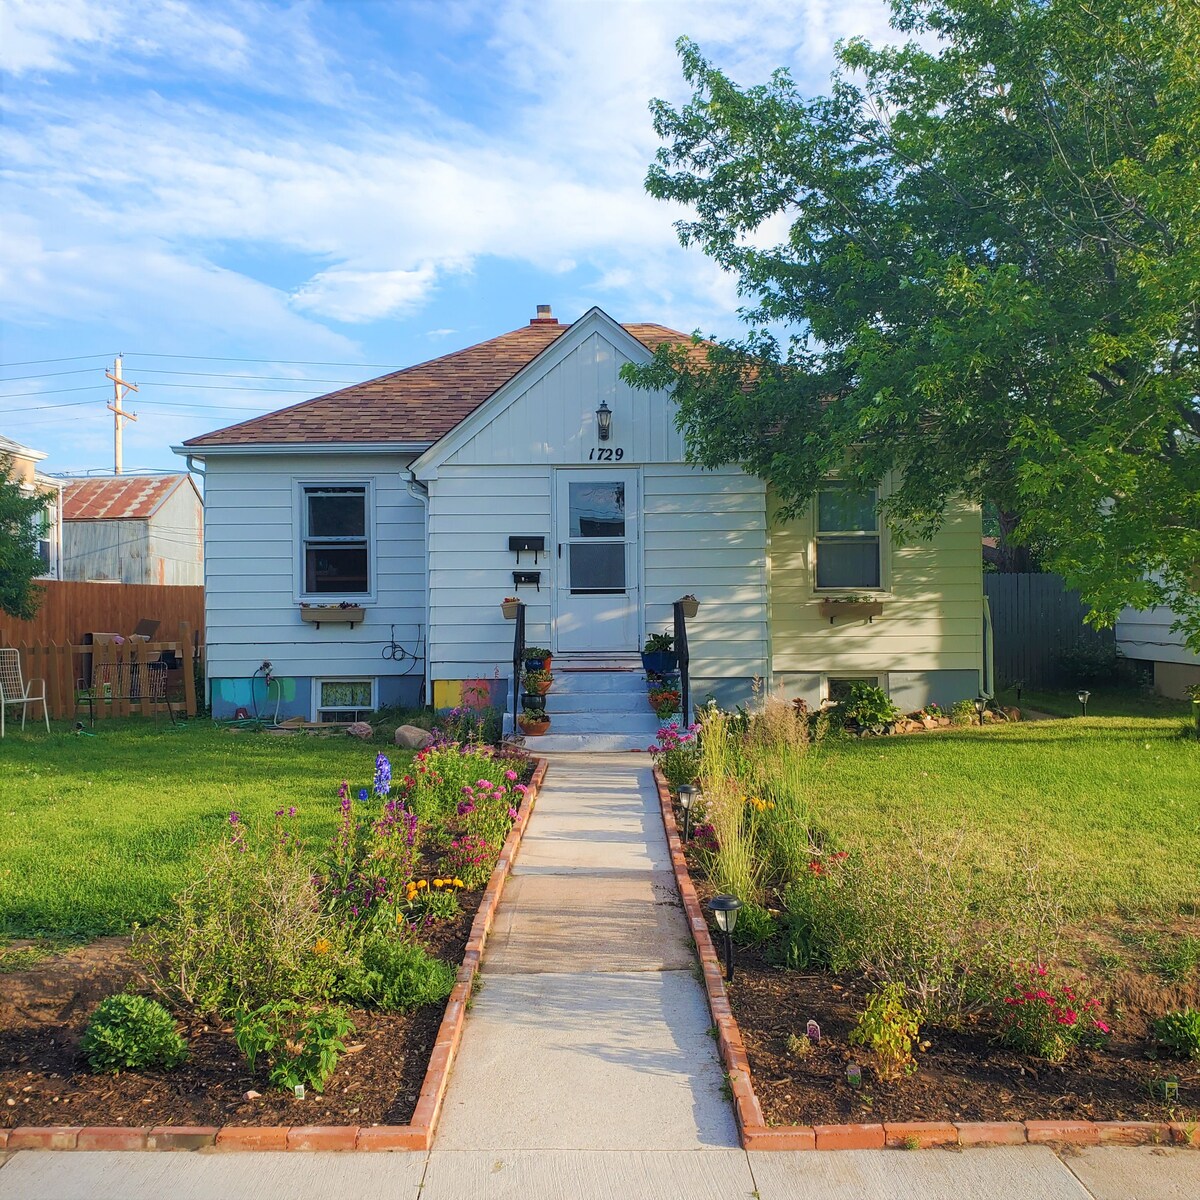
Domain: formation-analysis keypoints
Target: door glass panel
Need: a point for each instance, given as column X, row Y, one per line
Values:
column 597, row 568
column 597, row 511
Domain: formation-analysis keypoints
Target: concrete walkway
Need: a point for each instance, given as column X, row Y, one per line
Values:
column 586, row 1070
column 590, row 1031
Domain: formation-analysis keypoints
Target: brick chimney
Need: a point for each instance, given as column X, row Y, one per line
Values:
column 544, row 316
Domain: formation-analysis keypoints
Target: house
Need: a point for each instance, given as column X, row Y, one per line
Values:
column 133, row 529
column 1147, row 637
column 426, row 496
column 22, row 467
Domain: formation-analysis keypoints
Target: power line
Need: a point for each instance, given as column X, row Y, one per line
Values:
column 35, row 362
column 220, row 387
column 287, row 362
column 51, row 374
column 226, row 375
column 89, row 387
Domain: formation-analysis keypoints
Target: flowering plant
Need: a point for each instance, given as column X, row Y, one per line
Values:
column 1048, row 1018
column 677, row 753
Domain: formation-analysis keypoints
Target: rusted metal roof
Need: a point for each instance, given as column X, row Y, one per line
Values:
column 417, row 405
column 118, row 498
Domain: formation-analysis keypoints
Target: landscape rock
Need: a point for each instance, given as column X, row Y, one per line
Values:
column 1013, row 714
column 410, row 737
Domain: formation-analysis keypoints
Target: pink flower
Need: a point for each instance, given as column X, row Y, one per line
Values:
column 512, row 813
column 1100, row 1025
column 511, row 776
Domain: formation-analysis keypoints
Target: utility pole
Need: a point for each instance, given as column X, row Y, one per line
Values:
column 119, row 414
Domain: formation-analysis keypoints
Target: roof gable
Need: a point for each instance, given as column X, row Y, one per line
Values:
column 416, row 406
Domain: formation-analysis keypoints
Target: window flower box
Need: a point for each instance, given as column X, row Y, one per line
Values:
column 339, row 614
column 851, row 609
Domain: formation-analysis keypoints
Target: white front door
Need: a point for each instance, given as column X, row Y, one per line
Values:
column 596, row 517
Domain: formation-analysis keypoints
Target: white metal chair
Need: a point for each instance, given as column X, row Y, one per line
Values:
column 14, row 689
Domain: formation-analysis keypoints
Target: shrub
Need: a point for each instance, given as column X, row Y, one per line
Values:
column 1048, row 1019
column 301, row 1044
column 917, row 916
column 132, row 1032
column 250, row 930
column 755, row 925
column 1089, row 662
column 888, row 1029
column 1179, row 1033
column 962, row 712
column 869, row 707
column 397, row 974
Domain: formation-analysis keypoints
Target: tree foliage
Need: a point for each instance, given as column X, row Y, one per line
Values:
column 984, row 248
column 20, row 563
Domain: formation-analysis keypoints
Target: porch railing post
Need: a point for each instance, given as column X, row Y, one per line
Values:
column 681, row 651
column 518, row 661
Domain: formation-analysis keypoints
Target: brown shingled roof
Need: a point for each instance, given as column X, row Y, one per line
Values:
column 117, row 498
column 419, row 404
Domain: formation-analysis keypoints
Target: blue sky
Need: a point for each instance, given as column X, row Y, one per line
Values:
column 245, row 190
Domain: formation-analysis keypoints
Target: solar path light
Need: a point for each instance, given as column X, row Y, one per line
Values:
column 687, row 797
column 725, row 910
column 980, row 705
column 1082, row 696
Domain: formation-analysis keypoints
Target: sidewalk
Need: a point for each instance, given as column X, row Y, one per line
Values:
column 587, row 1071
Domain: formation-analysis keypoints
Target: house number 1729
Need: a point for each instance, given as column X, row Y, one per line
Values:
column 606, row 454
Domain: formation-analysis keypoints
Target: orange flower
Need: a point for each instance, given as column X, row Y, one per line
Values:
column 322, row 946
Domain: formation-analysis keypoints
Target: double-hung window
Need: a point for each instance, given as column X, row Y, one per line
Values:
column 848, row 551
column 336, row 547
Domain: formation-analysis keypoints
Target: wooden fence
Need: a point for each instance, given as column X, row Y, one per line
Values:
column 1034, row 619
column 111, row 679
column 70, row 611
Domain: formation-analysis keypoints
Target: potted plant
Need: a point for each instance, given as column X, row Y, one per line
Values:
column 658, row 655
column 538, row 682
column 665, row 702
column 509, row 606
column 537, row 658
column 691, row 606
column 533, row 722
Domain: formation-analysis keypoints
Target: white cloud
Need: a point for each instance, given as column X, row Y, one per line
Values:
column 347, row 295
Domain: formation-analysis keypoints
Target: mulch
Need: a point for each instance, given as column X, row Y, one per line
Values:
column 962, row 1076
column 44, row 1080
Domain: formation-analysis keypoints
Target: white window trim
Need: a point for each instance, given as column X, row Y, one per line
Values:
column 300, row 518
column 884, row 589
column 880, row 676
column 317, row 706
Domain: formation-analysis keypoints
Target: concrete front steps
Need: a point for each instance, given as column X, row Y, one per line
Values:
column 597, row 709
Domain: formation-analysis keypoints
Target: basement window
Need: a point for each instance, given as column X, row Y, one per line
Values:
column 345, row 699
column 837, row 689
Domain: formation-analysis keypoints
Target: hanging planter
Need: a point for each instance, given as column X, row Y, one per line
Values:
column 690, row 606
column 509, row 606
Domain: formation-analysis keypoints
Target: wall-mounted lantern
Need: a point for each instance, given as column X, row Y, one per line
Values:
column 604, row 421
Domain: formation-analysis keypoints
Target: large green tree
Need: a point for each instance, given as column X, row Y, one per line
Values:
column 20, row 563
column 982, row 248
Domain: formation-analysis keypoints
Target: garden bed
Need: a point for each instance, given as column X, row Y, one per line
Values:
column 1139, row 960
column 385, row 1093
column 963, row 1076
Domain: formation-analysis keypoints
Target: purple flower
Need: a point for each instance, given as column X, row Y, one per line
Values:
column 234, row 818
column 383, row 775
column 292, row 811
column 511, row 776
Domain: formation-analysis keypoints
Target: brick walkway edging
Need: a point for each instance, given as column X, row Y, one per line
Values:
column 758, row 1135
column 417, row 1135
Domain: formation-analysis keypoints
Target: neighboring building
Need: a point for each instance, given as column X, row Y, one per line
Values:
column 402, row 494
column 133, row 529
column 24, row 470
column 1147, row 636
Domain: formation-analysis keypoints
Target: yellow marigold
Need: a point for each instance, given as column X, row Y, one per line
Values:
column 459, row 883
column 770, row 803
column 437, row 883
column 322, row 946
column 421, row 883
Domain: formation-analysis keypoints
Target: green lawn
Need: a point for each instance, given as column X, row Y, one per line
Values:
column 1103, row 702
column 1108, row 805
column 98, row 832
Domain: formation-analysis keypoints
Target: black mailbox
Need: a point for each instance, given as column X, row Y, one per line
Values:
column 527, row 578
column 520, row 543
